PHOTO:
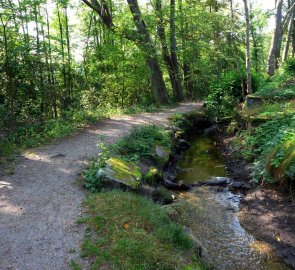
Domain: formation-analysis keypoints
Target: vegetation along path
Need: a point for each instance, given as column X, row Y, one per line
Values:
column 40, row 202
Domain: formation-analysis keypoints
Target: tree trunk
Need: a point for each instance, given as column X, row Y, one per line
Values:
column 175, row 80
column 275, row 44
column 52, row 74
column 248, row 55
column 69, row 73
column 178, row 94
column 233, row 46
column 185, row 63
column 289, row 33
column 146, row 45
column 65, row 98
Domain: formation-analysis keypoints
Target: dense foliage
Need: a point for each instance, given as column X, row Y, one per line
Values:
column 269, row 140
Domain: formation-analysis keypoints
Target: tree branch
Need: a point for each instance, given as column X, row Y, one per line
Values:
column 102, row 10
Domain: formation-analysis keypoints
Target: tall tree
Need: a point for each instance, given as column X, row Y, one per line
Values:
column 289, row 31
column 142, row 39
column 275, row 43
column 248, row 54
column 178, row 94
column 172, row 64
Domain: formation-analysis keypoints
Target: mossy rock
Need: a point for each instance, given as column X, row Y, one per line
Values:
column 161, row 155
column 162, row 195
column 153, row 176
column 120, row 174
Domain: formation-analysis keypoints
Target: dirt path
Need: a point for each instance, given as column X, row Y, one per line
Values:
column 40, row 202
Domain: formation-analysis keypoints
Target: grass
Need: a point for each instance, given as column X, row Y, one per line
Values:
column 269, row 111
column 130, row 232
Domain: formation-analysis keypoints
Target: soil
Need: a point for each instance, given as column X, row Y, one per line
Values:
column 41, row 202
column 267, row 212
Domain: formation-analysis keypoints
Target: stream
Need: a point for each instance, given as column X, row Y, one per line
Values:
column 213, row 217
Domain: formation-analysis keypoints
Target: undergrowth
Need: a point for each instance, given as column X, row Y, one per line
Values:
column 269, row 142
column 268, row 146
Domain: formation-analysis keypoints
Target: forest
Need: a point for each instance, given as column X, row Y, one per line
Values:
column 69, row 67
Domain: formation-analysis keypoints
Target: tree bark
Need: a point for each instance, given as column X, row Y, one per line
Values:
column 185, row 63
column 178, row 94
column 289, row 33
column 275, row 44
column 145, row 43
column 248, row 55
column 69, row 72
column 171, row 67
column 233, row 45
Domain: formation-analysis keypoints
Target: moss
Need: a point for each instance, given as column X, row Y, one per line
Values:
column 153, row 176
column 124, row 171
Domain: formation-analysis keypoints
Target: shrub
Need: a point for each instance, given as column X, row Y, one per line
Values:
column 270, row 146
column 289, row 66
column 280, row 162
column 224, row 96
column 140, row 142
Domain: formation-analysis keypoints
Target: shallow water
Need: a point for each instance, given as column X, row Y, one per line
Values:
column 213, row 218
column 201, row 161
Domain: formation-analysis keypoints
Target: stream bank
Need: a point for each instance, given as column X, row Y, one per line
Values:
column 266, row 211
column 210, row 209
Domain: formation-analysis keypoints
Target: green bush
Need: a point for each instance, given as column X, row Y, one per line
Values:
column 140, row 142
column 267, row 146
column 224, row 96
column 187, row 121
column 279, row 87
column 289, row 66
column 280, row 162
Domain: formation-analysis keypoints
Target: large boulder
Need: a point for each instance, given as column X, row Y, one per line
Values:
column 120, row 174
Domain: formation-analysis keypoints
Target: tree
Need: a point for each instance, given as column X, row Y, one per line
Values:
column 170, row 59
column 289, row 31
column 142, row 39
column 275, row 48
column 248, row 54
